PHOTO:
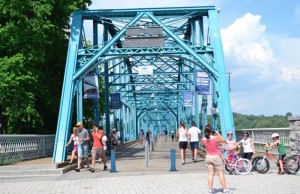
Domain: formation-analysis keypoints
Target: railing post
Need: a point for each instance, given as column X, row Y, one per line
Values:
column 112, row 161
column 146, row 153
column 173, row 160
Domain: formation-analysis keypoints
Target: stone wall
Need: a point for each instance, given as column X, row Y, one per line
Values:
column 294, row 133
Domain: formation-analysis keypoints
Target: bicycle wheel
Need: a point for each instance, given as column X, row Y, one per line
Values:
column 228, row 168
column 253, row 162
column 292, row 165
column 262, row 165
column 243, row 166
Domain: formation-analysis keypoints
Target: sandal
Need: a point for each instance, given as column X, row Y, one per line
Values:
column 281, row 173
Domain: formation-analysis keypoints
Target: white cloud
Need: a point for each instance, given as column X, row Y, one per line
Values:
column 246, row 46
column 290, row 74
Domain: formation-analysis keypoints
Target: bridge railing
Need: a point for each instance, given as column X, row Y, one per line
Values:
column 16, row 148
column 262, row 136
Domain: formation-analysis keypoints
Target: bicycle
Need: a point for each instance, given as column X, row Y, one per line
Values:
column 242, row 166
column 262, row 164
column 292, row 163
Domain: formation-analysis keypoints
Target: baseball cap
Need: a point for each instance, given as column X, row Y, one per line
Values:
column 78, row 124
column 114, row 129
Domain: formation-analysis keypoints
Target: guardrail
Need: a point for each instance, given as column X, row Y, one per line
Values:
column 262, row 136
column 16, row 148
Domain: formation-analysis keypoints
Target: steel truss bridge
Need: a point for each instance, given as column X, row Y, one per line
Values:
column 174, row 42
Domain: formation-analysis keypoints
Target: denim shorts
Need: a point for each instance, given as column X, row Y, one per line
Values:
column 83, row 150
column 194, row 145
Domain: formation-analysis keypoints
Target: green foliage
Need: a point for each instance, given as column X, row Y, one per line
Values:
column 251, row 121
column 33, row 48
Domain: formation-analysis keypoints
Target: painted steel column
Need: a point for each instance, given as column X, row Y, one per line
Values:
column 67, row 98
column 226, row 116
column 106, row 84
column 79, row 102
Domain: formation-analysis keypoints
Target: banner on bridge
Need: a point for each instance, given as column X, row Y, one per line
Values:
column 202, row 85
column 188, row 98
column 91, row 87
column 115, row 101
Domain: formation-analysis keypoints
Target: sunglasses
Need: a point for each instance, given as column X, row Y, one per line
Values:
column 274, row 138
column 229, row 134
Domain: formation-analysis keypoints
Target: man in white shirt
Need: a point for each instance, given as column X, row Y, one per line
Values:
column 194, row 135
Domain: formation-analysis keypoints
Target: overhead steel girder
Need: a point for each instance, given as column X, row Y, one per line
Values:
column 159, row 12
column 83, row 70
column 209, row 68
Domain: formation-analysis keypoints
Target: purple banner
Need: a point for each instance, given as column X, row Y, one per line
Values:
column 91, row 87
column 202, row 85
column 188, row 98
column 115, row 101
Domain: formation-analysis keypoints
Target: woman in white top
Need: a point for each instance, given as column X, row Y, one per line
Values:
column 248, row 146
column 74, row 137
column 183, row 139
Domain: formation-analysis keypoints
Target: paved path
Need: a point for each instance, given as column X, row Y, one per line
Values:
column 133, row 177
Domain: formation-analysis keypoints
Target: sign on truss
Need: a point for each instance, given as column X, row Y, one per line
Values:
column 115, row 101
column 91, row 87
column 202, row 85
column 145, row 70
column 188, row 98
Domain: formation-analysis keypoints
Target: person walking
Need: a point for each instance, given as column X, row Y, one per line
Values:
column 183, row 138
column 83, row 147
column 194, row 135
column 74, row 137
column 97, row 149
column 213, row 160
column 248, row 146
column 141, row 134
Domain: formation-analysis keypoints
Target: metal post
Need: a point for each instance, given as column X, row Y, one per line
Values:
column 151, row 146
column 113, row 161
column 173, row 160
column 146, row 154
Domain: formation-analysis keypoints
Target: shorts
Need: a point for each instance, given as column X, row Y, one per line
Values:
column 83, row 150
column 75, row 148
column 97, row 151
column 281, row 157
column 183, row 144
column 247, row 155
column 194, row 145
column 213, row 161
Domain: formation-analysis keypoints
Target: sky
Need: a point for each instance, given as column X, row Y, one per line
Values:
column 261, row 43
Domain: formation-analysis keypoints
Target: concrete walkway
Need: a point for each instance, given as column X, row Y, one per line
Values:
column 133, row 176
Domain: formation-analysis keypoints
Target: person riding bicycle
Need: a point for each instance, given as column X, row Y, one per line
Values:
column 248, row 146
column 230, row 146
column 281, row 150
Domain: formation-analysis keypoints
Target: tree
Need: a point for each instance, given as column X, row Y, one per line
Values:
column 33, row 47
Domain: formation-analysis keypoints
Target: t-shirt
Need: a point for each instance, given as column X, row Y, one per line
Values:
column 98, row 142
column 82, row 134
column 212, row 146
column 194, row 132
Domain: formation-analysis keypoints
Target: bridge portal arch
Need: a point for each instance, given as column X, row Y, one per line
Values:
column 149, row 57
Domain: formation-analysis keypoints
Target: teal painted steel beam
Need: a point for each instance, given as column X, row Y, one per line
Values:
column 226, row 117
column 67, row 99
column 103, row 50
column 166, row 11
column 155, row 83
column 209, row 68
